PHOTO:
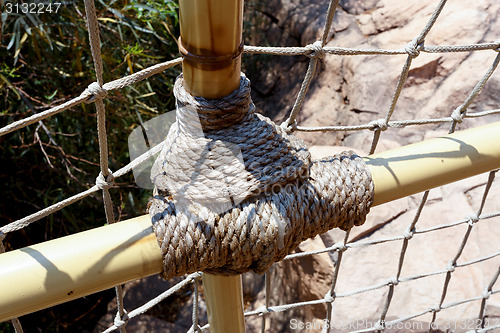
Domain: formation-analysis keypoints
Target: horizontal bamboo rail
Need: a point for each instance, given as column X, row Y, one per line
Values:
column 57, row 271
column 53, row 272
column 411, row 169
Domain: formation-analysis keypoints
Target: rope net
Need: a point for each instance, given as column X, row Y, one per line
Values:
column 339, row 251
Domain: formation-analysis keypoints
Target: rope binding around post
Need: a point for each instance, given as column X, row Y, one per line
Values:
column 234, row 192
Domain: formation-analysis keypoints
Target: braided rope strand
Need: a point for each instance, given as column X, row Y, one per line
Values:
column 105, row 179
column 277, row 210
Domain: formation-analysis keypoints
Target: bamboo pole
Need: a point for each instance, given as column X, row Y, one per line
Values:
column 46, row 274
column 224, row 299
column 211, row 44
column 57, row 271
column 421, row 166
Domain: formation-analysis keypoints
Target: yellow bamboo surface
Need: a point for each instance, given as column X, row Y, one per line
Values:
column 53, row 272
column 56, row 271
column 209, row 30
column 224, row 299
column 414, row 168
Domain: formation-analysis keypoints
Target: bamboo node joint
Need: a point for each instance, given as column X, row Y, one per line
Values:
column 208, row 62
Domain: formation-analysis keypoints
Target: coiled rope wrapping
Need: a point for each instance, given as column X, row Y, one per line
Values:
column 234, row 192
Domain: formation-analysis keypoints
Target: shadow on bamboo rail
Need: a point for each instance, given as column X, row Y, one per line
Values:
column 57, row 271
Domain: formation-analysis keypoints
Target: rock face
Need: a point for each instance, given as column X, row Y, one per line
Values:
column 351, row 90
column 358, row 89
column 172, row 315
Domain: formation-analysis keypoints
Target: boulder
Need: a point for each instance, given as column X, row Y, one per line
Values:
column 357, row 90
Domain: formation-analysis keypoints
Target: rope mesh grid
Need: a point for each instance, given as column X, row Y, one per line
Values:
column 97, row 91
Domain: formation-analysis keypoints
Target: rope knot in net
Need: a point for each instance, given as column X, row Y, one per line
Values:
column 451, row 267
column 105, row 182
column 393, row 281
column 498, row 47
column 408, row 234
column 457, row 115
column 120, row 321
column 413, row 48
column 316, row 49
column 329, row 298
column 239, row 197
column 379, row 325
column 289, row 127
column 341, row 247
column 435, row 309
column 473, row 218
column 486, row 294
column 95, row 91
column 379, row 124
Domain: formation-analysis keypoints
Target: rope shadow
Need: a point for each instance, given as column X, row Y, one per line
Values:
column 464, row 150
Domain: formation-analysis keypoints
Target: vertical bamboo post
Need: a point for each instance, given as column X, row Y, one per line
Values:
column 211, row 44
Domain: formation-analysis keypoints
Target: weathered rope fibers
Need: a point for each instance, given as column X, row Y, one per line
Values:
column 105, row 180
column 268, row 213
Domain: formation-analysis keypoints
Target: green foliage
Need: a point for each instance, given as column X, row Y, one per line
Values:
column 46, row 60
column 6, row 328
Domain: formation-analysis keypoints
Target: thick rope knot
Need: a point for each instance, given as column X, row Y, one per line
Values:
column 222, row 162
column 379, row 124
column 316, row 49
column 105, row 182
column 96, row 92
column 457, row 115
column 240, row 198
column 215, row 114
column 413, row 48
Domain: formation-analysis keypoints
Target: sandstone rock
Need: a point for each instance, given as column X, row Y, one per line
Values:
column 436, row 85
column 357, row 90
column 426, row 253
column 297, row 280
column 358, row 7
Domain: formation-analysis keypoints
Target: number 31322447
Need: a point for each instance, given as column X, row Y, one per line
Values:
column 32, row 8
